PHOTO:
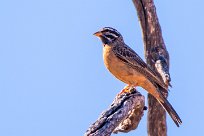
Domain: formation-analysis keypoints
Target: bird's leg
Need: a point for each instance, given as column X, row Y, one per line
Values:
column 126, row 89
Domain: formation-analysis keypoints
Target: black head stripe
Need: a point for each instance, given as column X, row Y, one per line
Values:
column 110, row 36
column 105, row 39
column 111, row 30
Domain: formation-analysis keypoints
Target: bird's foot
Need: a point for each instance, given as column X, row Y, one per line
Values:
column 126, row 89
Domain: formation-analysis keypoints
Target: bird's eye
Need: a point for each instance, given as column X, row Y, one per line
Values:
column 110, row 36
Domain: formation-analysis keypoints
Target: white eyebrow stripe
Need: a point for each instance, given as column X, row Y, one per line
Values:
column 111, row 35
column 112, row 30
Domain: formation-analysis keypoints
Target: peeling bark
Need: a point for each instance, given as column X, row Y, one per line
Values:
column 123, row 115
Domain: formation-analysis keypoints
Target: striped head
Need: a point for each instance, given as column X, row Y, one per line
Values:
column 108, row 35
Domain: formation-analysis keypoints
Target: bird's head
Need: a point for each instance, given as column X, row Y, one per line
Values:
column 108, row 35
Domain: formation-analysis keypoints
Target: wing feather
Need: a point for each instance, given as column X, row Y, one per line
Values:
column 129, row 56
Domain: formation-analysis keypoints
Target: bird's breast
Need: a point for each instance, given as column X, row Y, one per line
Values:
column 120, row 69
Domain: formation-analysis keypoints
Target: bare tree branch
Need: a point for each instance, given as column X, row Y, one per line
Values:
column 123, row 115
column 158, row 58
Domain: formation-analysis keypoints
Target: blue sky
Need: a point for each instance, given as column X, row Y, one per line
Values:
column 52, row 77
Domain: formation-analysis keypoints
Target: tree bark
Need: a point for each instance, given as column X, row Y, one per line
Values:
column 123, row 115
column 157, row 58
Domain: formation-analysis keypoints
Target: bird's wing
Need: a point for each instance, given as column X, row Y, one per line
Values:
column 129, row 56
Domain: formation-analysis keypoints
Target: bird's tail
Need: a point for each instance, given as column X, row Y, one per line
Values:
column 167, row 106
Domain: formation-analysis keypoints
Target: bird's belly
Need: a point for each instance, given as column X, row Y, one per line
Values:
column 121, row 70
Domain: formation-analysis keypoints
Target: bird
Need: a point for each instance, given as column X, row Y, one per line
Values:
column 127, row 66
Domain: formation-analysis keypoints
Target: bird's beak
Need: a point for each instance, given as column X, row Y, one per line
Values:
column 98, row 34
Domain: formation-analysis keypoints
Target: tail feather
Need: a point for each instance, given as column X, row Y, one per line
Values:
column 168, row 107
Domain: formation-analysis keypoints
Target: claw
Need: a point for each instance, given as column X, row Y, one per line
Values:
column 126, row 89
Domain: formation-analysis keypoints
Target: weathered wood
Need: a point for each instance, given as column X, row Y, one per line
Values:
column 157, row 57
column 123, row 115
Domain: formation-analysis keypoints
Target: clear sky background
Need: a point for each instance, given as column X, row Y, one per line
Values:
column 52, row 78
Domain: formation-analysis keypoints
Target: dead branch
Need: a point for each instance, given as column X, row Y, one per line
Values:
column 123, row 115
column 158, row 58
